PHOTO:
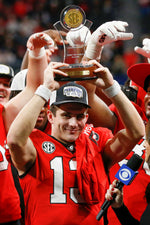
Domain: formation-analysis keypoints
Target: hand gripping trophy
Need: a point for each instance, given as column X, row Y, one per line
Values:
column 73, row 21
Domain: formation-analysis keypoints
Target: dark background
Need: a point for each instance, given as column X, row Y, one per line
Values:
column 20, row 18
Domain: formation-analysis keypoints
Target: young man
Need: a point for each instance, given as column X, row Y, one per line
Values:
column 68, row 170
column 140, row 74
column 10, row 212
column 134, row 193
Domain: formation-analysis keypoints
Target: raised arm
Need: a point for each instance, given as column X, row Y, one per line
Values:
column 99, row 114
column 37, row 64
column 55, row 36
column 22, row 151
column 103, row 35
column 124, row 141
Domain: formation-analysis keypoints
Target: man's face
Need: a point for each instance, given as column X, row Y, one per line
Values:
column 147, row 101
column 69, row 122
column 4, row 90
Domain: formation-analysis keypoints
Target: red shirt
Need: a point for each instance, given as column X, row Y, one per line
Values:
column 9, row 198
column 134, row 193
column 50, row 187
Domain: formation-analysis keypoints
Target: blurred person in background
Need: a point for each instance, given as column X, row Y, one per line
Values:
column 10, row 211
column 6, row 75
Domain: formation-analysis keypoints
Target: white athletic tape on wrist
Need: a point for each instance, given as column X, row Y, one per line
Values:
column 113, row 90
column 93, row 50
column 43, row 92
column 37, row 53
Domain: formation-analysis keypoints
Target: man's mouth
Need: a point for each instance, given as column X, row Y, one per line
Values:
column 40, row 118
column 2, row 96
column 72, row 131
column 148, row 104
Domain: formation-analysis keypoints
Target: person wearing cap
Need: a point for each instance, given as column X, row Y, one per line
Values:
column 10, row 212
column 134, row 194
column 140, row 74
column 68, row 170
column 6, row 75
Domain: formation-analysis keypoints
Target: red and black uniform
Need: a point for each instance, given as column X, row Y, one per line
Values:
column 9, row 198
column 134, row 194
column 61, row 175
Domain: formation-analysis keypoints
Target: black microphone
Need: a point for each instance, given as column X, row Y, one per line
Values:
column 125, row 176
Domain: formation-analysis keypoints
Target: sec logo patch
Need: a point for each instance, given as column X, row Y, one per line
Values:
column 48, row 147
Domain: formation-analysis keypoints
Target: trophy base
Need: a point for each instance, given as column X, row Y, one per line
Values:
column 77, row 72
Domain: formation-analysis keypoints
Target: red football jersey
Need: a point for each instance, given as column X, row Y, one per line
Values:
column 134, row 193
column 50, row 187
column 9, row 198
column 48, row 128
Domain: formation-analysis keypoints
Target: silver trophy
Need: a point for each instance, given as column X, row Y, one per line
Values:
column 73, row 19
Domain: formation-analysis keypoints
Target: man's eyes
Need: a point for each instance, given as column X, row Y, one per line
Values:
column 81, row 116
column 67, row 116
column 6, row 85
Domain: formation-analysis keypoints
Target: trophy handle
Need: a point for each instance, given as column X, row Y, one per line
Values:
column 59, row 28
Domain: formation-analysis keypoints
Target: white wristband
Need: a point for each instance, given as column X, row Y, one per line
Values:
column 43, row 92
column 37, row 53
column 113, row 90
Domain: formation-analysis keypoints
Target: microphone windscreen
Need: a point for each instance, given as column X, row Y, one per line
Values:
column 134, row 162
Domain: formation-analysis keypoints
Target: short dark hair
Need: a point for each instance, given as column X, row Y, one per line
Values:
column 53, row 109
column 130, row 92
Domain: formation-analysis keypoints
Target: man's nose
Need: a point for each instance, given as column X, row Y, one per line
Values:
column 73, row 121
column 2, row 85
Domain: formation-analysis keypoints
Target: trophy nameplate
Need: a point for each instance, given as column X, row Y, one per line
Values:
column 77, row 72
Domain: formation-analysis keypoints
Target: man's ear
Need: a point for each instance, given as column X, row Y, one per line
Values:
column 87, row 116
column 50, row 116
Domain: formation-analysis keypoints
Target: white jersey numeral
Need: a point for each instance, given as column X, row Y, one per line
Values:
column 3, row 160
column 58, row 195
column 138, row 149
